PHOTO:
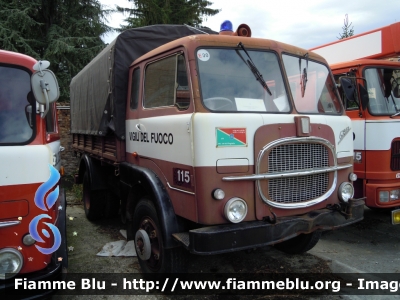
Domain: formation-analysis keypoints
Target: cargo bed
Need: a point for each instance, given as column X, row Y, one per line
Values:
column 108, row 148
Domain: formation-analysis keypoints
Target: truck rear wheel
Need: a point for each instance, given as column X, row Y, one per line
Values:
column 152, row 256
column 300, row 244
column 93, row 201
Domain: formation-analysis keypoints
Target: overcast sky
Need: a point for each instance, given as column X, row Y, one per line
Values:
column 305, row 24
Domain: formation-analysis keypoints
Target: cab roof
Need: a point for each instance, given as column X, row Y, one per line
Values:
column 206, row 40
column 14, row 58
column 365, row 62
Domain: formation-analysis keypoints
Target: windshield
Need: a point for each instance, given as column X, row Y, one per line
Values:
column 315, row 94
column 228, row 84
column 15, row 121
column 382, row 100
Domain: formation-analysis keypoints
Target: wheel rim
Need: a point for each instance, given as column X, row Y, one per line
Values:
column 155, row 260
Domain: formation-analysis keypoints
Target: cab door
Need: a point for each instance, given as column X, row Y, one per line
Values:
column 163, row 128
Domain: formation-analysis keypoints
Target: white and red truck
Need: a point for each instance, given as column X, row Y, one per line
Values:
column 32, row 204
column 212, row 143
column 369, row 66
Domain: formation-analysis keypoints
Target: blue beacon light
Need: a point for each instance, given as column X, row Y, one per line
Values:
column 226, row 26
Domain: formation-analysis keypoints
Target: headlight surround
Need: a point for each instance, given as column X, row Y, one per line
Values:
column 11, row 262
column 235, row 210
column 346, row 191
column 387, row 196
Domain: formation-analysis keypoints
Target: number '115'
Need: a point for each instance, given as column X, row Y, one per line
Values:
column 183, row 176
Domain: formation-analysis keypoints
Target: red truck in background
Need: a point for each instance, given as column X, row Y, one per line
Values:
column 32, row 204
column 368, row 68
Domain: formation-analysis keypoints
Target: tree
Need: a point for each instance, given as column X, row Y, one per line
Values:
column 151, row 12
column 347, row 29
column 64, row 32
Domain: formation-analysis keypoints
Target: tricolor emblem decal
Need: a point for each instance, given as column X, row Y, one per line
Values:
column 231, row 137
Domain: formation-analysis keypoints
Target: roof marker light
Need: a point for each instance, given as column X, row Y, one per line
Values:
column 226, row 26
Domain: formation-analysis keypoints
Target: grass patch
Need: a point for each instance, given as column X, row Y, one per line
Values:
column 74, row 191
column 77, row 191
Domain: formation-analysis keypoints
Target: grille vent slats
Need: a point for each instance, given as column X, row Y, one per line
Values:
column 293, row 157
column 395, row 159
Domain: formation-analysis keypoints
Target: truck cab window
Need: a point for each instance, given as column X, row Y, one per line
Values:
column 182, row 89
column 135, row 88
column 382, row 100
column 229, row 85
column 347, row 103
column 16, row 118
column 166, row 83
column 320, row 94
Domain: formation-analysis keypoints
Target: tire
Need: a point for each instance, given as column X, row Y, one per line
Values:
column 300, row 244
column 161, row 260
column 111, row 207
column 122, row 215
column 93, row 201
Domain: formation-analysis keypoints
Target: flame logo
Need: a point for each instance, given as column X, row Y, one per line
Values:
column 50, row 201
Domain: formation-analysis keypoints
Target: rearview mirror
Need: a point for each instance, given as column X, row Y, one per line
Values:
column 348, row 88
column 44, row 85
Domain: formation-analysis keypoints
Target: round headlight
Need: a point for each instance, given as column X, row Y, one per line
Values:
column 235, row 210
column 28, row 240
column 218, row 194
column 10, row 263
column 346, row 191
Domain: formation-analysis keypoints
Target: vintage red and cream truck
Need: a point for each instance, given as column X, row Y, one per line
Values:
column 369, row 68
column 32, row 205
column 212, row 143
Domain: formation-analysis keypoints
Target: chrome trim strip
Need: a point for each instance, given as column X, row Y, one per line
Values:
column 179, row 190
column 286, row 174
column 9, row 223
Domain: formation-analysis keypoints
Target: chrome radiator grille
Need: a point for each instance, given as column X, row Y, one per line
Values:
column 292, row 157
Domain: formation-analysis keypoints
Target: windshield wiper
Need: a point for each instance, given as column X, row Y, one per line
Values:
column 396, row 114
column 303, row 78
column 395, row 107
column 253, row 68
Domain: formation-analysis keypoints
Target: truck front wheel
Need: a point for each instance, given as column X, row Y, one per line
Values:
column 93, row 201
column 152, row 256
column 300, row 244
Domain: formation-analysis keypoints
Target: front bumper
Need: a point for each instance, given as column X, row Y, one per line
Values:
column 56, row 270
column 50, row 273
column 234, row 237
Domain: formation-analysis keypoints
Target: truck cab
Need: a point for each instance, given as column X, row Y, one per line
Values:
column 366, row 67
column 29, row 151
column 231, row 143
column 373, row 104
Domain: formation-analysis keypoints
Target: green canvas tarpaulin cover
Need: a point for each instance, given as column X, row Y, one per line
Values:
column 99, row 91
